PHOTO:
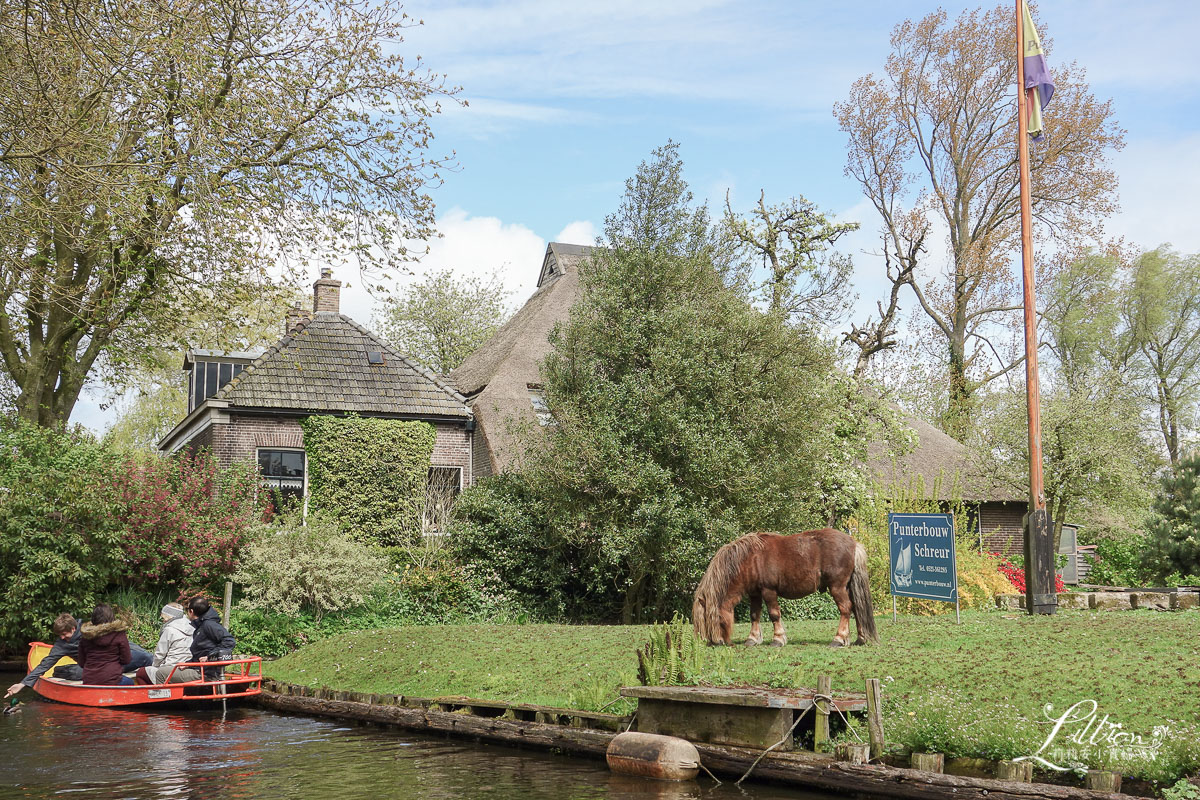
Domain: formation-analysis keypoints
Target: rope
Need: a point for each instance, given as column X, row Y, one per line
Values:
column 700, row 764
column 761, row 755
column 632, row 720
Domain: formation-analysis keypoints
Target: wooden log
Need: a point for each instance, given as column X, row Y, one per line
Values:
column 1101, row 780
column 853, row 752
column 929, row 762
column 875, row 717
column 796, row 768
column 1020, row 771
column 821, row 708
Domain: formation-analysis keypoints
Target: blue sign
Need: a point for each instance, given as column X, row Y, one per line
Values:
column 922, row 555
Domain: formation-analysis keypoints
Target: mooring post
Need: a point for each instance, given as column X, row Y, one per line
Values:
column 929, row 762
column 228, row 603
column 1101, row 780
column 821, row 706
column 875, row 717
column 1020, row 771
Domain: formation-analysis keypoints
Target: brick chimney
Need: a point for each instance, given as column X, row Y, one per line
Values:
column 326, row 292
column 294, row 317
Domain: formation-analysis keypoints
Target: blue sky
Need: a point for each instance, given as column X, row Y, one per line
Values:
column 566, row 98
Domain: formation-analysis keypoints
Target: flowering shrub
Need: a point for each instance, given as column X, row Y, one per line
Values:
column 292, row 567
column 1016, row 575
column 185, row 519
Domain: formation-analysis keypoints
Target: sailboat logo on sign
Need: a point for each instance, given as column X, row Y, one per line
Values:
column 902, row 570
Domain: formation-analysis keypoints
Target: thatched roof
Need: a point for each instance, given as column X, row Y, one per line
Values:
column 938, row 461
column 500, row 377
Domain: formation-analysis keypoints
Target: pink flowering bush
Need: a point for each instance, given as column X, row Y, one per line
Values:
column 185, row 519
column 1016, row 575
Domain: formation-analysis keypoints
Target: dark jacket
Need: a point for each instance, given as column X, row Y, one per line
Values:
column 102, row 651
column 60, row 648
column 210, row 636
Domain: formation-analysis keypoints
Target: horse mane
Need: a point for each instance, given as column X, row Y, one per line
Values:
column 721, row 573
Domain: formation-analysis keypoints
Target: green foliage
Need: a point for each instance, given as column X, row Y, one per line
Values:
column 371, row 473
column 270, row 634
column 60, row 535
column 674, row 656
column 290, row 567
column 1173, row 530
column 979, row 581
column 685, row 415
column 283, row 164
column 443, row 319
column 1183, row 789
column 1119, row 561
column 813, row 606
column 501, row 527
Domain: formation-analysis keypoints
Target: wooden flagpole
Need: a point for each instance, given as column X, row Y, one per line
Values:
column 1040, row 597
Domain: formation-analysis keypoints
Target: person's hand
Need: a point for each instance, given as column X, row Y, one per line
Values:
column 16, row 687
column 202, row 658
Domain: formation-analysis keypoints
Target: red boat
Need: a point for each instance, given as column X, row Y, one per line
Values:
column 242, row 678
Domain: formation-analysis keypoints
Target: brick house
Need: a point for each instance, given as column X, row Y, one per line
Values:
column 249, row 405
column 501, row 382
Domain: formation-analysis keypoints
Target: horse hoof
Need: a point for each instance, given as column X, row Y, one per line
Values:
column 778, row 642
column 753, row 642
column 836, row 643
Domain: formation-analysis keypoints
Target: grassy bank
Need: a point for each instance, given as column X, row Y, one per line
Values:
column 978, row 689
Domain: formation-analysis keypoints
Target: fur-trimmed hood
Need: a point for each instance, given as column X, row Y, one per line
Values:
column 90, row 631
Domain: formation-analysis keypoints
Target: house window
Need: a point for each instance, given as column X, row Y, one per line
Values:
column 283, row 474
column 441, row 490
column 540, row 410
column 207, row 377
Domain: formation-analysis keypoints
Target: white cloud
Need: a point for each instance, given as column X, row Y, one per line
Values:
column 1158, row 193
column 581, row 231
column 468, row 246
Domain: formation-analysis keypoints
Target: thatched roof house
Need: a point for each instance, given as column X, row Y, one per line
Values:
column 501, row 383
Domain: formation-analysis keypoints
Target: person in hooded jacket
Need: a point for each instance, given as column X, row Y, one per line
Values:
column 66, row 643
column 174, row 646
column 103, row 648
column 210, row 640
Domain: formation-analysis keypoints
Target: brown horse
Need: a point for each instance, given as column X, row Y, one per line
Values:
column 768, row 566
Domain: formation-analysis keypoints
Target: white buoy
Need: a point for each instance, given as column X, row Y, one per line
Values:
column 650, row 755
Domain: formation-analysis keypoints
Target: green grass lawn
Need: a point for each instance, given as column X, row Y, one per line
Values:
column 975, row 689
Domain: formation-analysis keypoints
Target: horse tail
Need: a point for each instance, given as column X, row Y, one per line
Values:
column 716, row 583
column 860, row 597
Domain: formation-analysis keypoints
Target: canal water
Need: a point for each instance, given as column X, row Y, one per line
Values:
column 50, row 750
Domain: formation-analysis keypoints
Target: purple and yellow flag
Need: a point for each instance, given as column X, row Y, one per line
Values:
column 1039, row 86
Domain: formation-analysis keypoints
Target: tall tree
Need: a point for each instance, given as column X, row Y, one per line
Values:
column 931, row 141
column 153, row 397
column 158, row 156
column 443, row 319
column 1095, row 453
column 684, row 415
column 1162, row 318
column 805, row 279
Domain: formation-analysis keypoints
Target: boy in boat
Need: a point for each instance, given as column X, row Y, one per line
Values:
column 67, row 635
column 210, row 641
column 174, row 646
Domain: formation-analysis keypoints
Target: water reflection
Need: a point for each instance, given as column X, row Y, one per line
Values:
column 53, row 750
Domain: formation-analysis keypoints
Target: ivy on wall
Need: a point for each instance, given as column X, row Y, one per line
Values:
column 369, row 474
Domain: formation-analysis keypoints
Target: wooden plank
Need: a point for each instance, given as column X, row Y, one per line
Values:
column 745, row 726
column 799, row 699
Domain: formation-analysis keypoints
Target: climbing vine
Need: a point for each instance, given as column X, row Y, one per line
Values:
column 369, row 474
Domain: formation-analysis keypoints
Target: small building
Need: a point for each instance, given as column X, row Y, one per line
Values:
column 248, row 406
column 500, row 381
